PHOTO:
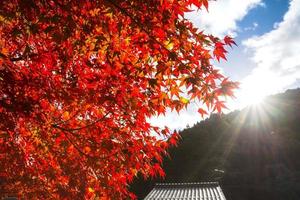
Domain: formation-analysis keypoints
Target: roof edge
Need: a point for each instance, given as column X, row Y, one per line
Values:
column 189, row 184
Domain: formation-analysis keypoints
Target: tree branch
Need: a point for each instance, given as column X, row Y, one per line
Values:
column 15, row 59
column 79, row 128
column 75, row 145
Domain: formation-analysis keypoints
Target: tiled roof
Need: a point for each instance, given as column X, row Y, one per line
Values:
column 186, row 191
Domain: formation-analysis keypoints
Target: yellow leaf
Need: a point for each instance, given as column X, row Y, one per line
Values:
column 2, row 19
column 134, row 171
column 87, row 149
column 109, row 14
column 169, row 45
column 65, row 115
column 94, row 12
column 184, row 100
column 127, row 41
column 91, row 190
column 4, row 51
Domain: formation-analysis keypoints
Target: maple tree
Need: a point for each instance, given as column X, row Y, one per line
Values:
column 79, row 81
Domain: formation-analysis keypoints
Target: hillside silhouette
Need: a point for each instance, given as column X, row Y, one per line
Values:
column 254, row 153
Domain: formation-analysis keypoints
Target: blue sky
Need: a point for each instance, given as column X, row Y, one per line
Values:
column 271, row 12
column 267, row 59
column 258, row 21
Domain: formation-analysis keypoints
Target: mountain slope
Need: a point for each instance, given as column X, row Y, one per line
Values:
column 254, row 153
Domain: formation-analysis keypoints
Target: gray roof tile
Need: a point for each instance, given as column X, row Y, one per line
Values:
column 186, row 191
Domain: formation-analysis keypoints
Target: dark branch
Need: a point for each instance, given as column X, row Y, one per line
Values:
column 75, row 145
column 79, row 128
column 14, row 59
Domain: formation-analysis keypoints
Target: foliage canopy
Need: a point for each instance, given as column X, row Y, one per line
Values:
column 78, row 81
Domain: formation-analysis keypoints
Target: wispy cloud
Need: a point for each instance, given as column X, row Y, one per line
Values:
column 251, row 28
column 223, row 16
column 177, row 121
column 276, row 56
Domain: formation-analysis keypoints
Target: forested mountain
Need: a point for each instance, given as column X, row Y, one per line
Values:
column 254, row 153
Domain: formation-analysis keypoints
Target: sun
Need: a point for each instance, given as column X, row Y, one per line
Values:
column 247, row 97
column 252, row 98
column 256, row 87
column 253, row 93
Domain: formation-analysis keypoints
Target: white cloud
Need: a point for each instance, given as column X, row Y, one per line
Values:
column 251, row 28
column 276, row 56
column 223, row 16
column 176, row 121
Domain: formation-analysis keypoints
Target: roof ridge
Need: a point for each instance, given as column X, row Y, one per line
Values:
column 188, row 183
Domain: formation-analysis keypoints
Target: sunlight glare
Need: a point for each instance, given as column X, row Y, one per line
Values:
column 252, row 97
column 255, row 88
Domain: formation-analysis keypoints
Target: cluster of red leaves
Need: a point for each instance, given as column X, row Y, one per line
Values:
column 78, row 81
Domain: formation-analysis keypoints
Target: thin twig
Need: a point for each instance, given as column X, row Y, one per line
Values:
column 75, row 145
column 80, row 128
